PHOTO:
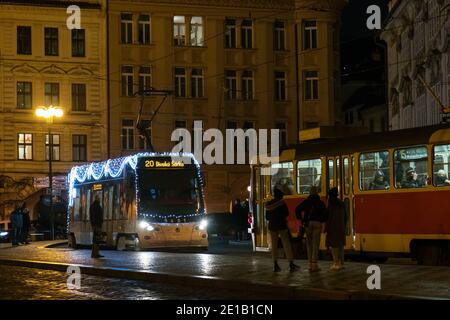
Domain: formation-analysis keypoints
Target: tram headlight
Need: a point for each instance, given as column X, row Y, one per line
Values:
column 149, row 228
column 144, row 225
column 203, row 225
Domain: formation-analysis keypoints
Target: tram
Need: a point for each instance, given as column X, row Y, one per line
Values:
column 149, row 200
column 395, row 187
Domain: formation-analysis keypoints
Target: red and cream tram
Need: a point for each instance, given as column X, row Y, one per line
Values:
column 395, row 186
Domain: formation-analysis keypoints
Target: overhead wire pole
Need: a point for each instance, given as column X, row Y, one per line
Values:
column 141, row 126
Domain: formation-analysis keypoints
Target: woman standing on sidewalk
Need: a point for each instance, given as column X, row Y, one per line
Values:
column 277, row 213
column 335, row 229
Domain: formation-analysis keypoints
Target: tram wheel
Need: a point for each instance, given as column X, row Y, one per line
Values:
column 72, row 242
column 121, row 243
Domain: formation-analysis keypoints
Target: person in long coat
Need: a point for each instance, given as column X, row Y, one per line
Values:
column 335, row 229
column 96, row 217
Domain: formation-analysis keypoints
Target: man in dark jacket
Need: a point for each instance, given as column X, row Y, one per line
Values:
column 277, row 213
column 335, row 229
column 313, row 218
column 96, row 216
column 16, row 224
column 26, row 224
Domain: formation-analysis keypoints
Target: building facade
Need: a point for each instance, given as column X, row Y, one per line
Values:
column 417, row 34
column 43, row 63
column 231, row 64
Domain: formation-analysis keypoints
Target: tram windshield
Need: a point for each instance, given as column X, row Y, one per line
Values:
column 168, row 191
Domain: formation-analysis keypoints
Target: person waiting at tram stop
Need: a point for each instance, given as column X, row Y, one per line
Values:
column 96, row 217
column 379, row 181
column 412, row 180
column 277, row 213
column 313, row 218
column 335, row 229
column 441, row 179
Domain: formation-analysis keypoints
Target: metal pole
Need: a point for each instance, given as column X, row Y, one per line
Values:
column 50, row 178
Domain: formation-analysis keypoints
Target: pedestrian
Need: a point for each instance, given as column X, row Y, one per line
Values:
column 26, row 223
column 238, row 212
column 16, row 224
column 335, row 229
column 96, row 217
column 312, row 212
column 277, row 213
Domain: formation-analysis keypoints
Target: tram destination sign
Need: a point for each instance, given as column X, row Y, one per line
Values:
column 161, row 163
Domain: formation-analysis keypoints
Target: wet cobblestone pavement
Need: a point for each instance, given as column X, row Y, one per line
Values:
column 20, row 283
column 396, row 279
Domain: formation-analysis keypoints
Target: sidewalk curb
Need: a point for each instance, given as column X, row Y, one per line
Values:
column 283, row 292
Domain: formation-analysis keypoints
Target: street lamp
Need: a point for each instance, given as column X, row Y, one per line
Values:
column 49, row 113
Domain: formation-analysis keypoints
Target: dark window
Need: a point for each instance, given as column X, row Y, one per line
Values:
column 283, row 133
column 126, row 28
column 279, row 35
column 247, row 85
column 280, row 86
column 51, row 94
column 145, row 78
column 230, row 33
column 79, row 147
column 232, row 125
column 127, row 81
column 310, row 35
column 247, row 34
column 25, row 146
column 127, row 134
column 230, row 84
column 78, row 97
column 144, row 29
column 55, row 147
column 51, row 41
column 142, row 142
column 24, row 95
column 311, row 85
column 78, row 43
column 197, row 83
column 23, row 40
column 180, row 82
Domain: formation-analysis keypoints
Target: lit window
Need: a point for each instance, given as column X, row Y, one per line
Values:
column 197, row 31
column 55, row 147
column 283, row 179
column 441, row 166
column 374, row 171
column 25, row 146
column 179, row 30
column 411, row 167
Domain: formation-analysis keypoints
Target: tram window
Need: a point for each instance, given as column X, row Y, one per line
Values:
column 346, row 176
column 411, row 167
column 116, row 206
column 441, row 166
column 284, row 178
column 374, row 171
column 76, row 205
column 330, row 175
column 87, row 205
column 309, row 173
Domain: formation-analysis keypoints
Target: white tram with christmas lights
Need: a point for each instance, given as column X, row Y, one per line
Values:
column 149, row 200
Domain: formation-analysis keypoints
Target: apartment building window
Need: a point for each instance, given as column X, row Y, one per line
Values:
column 311, row 85
column 310, row 35
column 55, row 147
column 180, row 82
column 78, row 43
column 51, row 41
column 197, row 83
column 145, row 78
column 247, row 34
column 230, row 33
column 230, row 84
column 78, row 97
column 126, row 28
column 79, row 147
column 179, row 30
column 127, row 81
column 247, row 125
column 144, row 29
column 279, row 35
column 51, row 94
column 127, row 134
column 23, row 40
column 196, row 31
column 25, row 146
column 247, row 85
column 142, row 142
column 24, row 95
column 280, row 86
column 281, row 126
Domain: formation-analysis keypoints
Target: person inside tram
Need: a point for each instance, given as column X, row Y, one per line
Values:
column 379, row 181
column 441, row 179
column 412, row 180
column 286, row 185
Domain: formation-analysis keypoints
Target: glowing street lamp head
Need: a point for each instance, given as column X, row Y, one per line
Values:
column 49, row 112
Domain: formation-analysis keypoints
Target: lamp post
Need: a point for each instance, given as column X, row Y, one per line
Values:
column 49, row 113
